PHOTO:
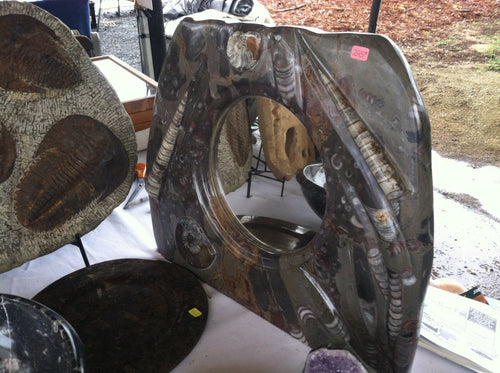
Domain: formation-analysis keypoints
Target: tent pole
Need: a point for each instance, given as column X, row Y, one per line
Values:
column 157, row 37
column 372, row 26
column 144, row 42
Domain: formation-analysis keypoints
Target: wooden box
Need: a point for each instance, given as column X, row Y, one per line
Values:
column 136, row 90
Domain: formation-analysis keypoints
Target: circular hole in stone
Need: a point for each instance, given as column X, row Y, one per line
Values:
column 257, row 161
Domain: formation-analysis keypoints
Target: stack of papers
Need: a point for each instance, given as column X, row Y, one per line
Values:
column 462, row 330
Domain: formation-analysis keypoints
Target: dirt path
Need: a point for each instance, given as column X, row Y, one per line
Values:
column 458, row 73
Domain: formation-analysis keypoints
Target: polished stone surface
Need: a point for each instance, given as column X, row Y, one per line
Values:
column 282, row 235
column 359, row 283
column 33, row 338
column 312, row 184
column 132, row 315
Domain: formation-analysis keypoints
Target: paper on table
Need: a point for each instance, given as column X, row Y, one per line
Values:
column 462, row 330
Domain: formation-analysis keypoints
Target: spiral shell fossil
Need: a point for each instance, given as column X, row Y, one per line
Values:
column 243, row 49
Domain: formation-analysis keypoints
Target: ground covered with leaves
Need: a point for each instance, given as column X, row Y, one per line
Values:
column 400, row 20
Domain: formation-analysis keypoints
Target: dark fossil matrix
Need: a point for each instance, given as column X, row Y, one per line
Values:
column 359, row 283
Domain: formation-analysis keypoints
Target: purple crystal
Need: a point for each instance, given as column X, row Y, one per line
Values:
column 334, row 361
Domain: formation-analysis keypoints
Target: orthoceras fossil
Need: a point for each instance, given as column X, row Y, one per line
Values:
column 384, row 176
column 167, row 146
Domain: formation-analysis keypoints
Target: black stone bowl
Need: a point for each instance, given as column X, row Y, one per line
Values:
column 34, row 338
column 311, row 181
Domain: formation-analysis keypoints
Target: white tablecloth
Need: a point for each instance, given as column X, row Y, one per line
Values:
column 235, row 340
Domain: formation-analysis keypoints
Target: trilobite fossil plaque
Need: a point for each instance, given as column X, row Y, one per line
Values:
column 67, row 145
column 360, row 282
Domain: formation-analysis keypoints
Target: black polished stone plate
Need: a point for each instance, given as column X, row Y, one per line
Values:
column 282, row 235
column 33, row 338
column 132, row 315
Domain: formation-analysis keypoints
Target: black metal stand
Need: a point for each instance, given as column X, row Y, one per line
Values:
column 256, row 171
column 78, row 242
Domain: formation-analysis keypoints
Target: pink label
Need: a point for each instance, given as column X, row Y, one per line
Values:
column 359, row 53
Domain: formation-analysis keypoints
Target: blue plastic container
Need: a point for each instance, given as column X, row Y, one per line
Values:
column 74, row 13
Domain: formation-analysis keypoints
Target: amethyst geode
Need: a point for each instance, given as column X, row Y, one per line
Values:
column 334, row 361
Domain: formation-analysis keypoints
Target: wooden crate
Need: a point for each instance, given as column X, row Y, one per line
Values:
column 136, row 90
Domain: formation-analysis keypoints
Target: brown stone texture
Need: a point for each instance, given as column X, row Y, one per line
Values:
column 67, row 144
column 285, row 141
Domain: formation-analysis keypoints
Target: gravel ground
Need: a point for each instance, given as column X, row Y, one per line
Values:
column 119, row 37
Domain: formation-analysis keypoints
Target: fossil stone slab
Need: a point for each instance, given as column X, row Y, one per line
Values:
column 235, row 148
column 285, row 141
column 132, row 315
column 67, row 145
column 359, row 284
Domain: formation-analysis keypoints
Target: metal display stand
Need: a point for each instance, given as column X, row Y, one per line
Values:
column 78, row 242
column 256, row 171
column 145, row 41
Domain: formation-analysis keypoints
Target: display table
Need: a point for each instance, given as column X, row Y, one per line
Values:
column 235, row 340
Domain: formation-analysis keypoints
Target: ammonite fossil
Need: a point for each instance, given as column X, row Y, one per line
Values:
column 67, row 145
column 359, row 283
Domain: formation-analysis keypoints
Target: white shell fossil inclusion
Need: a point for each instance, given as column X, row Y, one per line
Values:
column 243, row 49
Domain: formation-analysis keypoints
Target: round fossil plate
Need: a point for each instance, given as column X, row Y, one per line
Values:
column 67, row 145
column 33, row 338
column 132, row 315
